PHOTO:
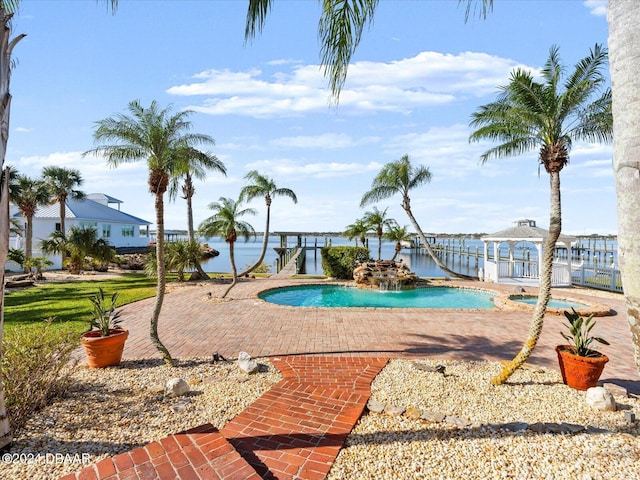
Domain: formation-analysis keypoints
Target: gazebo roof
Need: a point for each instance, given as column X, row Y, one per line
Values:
column 525, row 231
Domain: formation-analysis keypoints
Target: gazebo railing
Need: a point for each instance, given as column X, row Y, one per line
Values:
column 518, row 269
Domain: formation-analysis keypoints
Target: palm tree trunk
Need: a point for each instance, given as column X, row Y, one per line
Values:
column 549, row 245
column 232, row 259
column 62, row 216
column 430, row 250
column 191, row 236
column 5, row 427
column 265, row 242
column 397, row 251
column 28, row 241
column 162, row 282
column 624, row 57
column 380, row 247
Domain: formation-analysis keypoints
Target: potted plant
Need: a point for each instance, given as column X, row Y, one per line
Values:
column 580, row 365
column 104, row 342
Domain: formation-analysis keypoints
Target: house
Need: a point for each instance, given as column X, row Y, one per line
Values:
column 120, row 229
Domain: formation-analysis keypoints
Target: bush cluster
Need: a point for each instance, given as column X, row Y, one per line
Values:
column 35, row 369
column 339, row 262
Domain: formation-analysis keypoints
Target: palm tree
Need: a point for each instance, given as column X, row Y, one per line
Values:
column 161, row 138
column 377, row 220
column 77, row 245
column 193, row 164
column 226, row 223
column 263, row 186
column 548, row 116
column 623, row 18
column 358, row 230
column 401, row 177
column 179, row 256
column 29, row 194
column 62, row 182
column 398, row 234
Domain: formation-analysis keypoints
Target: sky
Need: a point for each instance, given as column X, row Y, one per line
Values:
column 416, row 78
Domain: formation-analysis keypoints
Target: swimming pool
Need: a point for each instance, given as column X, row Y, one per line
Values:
column 340, row 296
column 553, row 303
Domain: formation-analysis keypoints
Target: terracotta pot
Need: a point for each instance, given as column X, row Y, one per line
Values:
column 104, row 351
column 579, row 372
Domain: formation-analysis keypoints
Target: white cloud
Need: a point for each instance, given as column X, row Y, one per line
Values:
column 329, row 141
column 22, row 130
column 596, row 7
column 427, row 79
column 284, row 168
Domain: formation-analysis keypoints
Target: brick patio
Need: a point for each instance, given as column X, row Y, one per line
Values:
column 328, row 358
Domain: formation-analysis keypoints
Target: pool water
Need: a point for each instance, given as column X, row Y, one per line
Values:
column 340, row 296
column 552, row 303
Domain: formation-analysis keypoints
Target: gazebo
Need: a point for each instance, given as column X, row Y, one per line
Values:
column 510, row 269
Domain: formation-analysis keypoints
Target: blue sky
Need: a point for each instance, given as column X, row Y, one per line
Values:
column 417, row 76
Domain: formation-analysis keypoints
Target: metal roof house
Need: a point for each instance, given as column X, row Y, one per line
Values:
column 498, row 269
column 120, row 229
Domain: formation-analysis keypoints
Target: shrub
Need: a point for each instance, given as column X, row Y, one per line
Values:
column 34, row 369
column 339, row 262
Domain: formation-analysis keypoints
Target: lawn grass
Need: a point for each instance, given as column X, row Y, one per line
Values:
column 69, row 302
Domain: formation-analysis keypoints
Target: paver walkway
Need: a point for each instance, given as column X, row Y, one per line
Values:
column 295, row 430
column 328, row 357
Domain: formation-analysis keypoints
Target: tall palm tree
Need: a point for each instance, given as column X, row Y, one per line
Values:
column 156, row 135
column 398, row 234
column 623, row 18
column 377, row 220
column 226, row 223
column 193, row 164
column 263, row 186
column 401, row 177
column 62, row 183
column 357, row 229
column 547, row 116
column 29, row 194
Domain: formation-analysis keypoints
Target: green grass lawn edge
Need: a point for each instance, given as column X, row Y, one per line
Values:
column 68, row 302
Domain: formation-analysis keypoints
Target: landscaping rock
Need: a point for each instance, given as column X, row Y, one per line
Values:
column 246, row 363
column 616, row 390
column 393, row 411
column 432, row 416
column 413, row 413
column 601, row 399
column 375, row 406
column 176, row 387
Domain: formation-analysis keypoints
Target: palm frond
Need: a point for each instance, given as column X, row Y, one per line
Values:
column 340, row 29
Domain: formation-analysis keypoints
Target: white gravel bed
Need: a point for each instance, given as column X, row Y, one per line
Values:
column 112, row 410
column 382, row 446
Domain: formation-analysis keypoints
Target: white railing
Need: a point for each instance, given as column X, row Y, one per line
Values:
column 603, row 278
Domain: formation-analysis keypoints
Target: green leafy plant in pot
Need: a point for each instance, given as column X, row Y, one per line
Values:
column 580, row 365
column 104, row 342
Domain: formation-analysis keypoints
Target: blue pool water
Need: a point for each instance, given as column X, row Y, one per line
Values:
column 552, row 303
column 340, row 296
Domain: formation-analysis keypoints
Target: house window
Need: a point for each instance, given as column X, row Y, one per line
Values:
column 106, row 231
column 144, row 231
column 127, row 230
column 86, row 225
column 58, row 227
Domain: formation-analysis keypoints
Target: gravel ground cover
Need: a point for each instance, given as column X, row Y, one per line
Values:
column 497, row 444
column 112, row 410
column 109, row 411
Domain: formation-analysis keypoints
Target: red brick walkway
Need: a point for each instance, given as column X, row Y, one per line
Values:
column 294, row 430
